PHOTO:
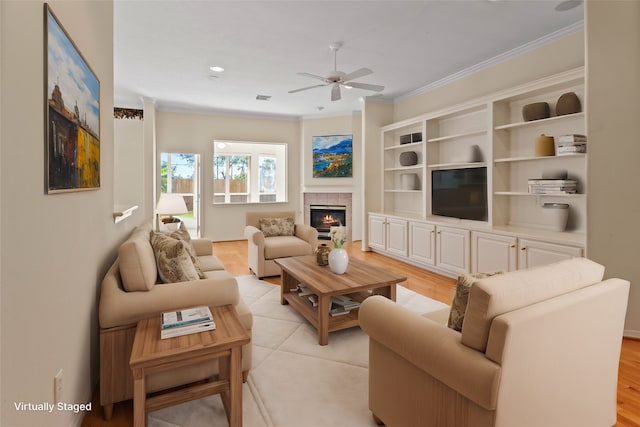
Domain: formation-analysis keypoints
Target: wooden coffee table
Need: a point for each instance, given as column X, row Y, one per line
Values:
column 150, row 354
column 359, row 281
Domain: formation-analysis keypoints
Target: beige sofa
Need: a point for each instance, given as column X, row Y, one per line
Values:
column 129, row 293
column 263, row 250
column 538, row 347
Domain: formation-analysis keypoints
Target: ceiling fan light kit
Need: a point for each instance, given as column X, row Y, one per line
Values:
column 338, row 79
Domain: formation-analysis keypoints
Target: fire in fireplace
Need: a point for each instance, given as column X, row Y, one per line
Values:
column 324, row 217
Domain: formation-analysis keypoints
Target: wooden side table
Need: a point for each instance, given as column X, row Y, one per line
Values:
column 150, row 354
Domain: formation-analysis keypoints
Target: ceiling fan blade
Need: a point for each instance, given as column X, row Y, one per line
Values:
column 335, row 92
column 313, row 76
column 305, row 88
column 375, row 88
column 356, row 74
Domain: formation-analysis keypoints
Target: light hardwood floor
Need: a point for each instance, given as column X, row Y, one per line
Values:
column 234, row 257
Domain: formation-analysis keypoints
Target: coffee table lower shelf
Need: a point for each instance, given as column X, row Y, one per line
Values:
column 335, row 323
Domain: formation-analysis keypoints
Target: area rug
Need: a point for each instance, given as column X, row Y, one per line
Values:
column 294, row 381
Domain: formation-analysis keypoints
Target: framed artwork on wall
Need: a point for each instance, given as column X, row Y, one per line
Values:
column 72, row 113
column 332, row 156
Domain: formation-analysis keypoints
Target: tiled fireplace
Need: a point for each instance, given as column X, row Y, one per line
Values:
column 322, row 210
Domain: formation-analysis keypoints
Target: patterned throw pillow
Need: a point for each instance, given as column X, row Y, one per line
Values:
column 277, row 226
column 173, row 260
column 183, row 234
column 461, row 298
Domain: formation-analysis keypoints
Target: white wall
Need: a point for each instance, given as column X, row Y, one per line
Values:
column 337, row 125
column 54, row 248
column 195, row 133
column 129, row 161
column 375, row 115
column 548, row 59
column 613, row 88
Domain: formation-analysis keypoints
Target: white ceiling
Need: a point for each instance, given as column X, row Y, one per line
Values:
column 164, row 48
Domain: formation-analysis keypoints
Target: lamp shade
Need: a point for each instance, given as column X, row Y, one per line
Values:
column 171, row 204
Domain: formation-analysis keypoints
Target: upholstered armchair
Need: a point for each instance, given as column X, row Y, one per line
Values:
column 272, row 235
column 538, row 347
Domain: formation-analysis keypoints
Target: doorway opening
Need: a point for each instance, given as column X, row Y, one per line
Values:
column 180, row 174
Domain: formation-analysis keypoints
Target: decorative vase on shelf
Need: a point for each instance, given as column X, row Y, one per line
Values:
column 338, row 260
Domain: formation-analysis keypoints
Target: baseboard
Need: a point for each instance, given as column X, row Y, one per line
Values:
column 630, row 333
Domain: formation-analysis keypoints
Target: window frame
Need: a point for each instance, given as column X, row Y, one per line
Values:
column 254, row 150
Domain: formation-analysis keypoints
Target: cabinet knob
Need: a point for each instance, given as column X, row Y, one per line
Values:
column 513, row 246
column 524, row 248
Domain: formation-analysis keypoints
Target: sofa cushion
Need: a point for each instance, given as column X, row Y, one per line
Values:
column 277, row 226
column 183, row 234
column 461, row 298
column 210, row 263
column 137, row 261
column 173, row 259
column 285, row 246
column 502, row 293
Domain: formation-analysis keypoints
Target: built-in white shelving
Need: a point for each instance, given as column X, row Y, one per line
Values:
column 490, row 132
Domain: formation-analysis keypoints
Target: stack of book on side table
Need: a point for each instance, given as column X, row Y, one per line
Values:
column 571, row 144
column 552, row 186
column 186, row 321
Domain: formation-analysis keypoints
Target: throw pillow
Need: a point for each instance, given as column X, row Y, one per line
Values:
column 173, row 260
column 183, row 234
column 461, row 298
column 277, row 226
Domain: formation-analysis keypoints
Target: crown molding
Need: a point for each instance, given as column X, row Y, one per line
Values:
column 549, row 38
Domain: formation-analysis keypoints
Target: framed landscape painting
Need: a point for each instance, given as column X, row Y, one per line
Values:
column 72, row 113
column 332, row 156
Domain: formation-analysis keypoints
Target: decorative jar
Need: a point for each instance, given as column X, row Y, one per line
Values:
column 322, row 254
column 545, row 146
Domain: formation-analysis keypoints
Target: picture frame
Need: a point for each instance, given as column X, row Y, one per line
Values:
column 71, row 111
column 332, row 156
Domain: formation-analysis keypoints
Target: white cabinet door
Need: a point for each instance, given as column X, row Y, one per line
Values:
column 453, row 249
column 534, row 253
column 377, row 232
column 397, row 237
column 422, row 242
column 493, row 252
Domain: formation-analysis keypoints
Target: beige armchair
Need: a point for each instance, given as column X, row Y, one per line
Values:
column 303, row 240
column 538, row 347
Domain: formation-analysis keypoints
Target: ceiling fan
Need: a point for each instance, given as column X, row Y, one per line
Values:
column 337, row 78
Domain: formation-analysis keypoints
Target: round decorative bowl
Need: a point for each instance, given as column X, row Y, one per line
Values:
column 568, row 103
column 535, row 111
column 408, row 158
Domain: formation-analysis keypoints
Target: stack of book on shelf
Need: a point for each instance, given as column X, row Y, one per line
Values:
column 571, row 144
column 186, row 321
column 553, row 186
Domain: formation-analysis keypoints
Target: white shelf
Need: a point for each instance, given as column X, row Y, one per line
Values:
column 533, row 158
column 400, row 146
column 538, row 122
column 456, row 136
column 457, row 165
column 123, row 213
column 525, row 193
column 404, row 168
column 403, row 191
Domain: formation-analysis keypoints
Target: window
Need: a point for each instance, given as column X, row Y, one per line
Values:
column 249, row 172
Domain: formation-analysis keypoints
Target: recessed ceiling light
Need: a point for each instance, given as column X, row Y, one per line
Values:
column 216, row 69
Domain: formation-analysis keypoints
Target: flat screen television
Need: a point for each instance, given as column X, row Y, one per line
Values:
column 460, row 193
